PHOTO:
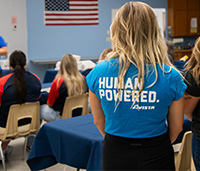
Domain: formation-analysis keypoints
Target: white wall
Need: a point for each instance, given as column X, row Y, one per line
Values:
column 17, row 40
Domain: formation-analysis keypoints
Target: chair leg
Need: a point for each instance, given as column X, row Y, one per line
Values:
column 2, row 157
column 24, row 150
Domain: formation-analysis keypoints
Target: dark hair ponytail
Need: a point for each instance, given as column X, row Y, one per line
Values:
column 17, row 62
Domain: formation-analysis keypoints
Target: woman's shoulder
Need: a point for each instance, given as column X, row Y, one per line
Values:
column 169, row 71
column 31, row 74
column 58, row 81
column 4, row 79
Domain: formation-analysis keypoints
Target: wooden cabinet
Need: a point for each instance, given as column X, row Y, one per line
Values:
column 180, row 14
column 180, row 53
column 193, row 4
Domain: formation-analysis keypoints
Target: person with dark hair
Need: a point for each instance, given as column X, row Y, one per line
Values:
column 16, row 88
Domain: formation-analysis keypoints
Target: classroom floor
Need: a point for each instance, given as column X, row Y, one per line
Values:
column 15, row 162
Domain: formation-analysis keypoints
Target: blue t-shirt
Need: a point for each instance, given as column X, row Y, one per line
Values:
column 2, row 42
column 146, row 118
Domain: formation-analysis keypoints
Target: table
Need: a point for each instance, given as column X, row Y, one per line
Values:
column 50, row 75
column 6, row 71
column 46, row 85
column 74, row 141
column 43, row 61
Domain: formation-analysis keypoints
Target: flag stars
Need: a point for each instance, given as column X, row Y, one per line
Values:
column 57, row 5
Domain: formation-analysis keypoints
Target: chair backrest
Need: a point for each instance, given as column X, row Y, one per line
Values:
column 183, row 157
column 17, row 112
column 74, row 102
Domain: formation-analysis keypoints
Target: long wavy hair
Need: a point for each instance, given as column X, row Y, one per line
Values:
column 18, row 62
column 136, row 39
column 193, row 65
column 74, row 81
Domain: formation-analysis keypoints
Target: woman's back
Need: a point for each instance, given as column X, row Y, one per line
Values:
column 144, row 118
column 8, row 93
column 18, row 87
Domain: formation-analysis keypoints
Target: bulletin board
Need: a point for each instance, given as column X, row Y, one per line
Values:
column 160, row 14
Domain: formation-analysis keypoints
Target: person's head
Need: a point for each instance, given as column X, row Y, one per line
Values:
column 69, row 65
column 136, row 36
column 193, row 65
column 104, row 54
column 17, row 61
column 73, row 79
column 137, row 40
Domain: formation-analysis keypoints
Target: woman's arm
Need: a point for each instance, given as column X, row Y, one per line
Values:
column 190, row 104
column 4, row 51
column 49, row 104
column 97, row 111
column 53, row 93
column 175, row 119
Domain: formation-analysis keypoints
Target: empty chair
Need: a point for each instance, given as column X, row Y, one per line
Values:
column 183, row 156
column 73, row 103
column 14, row 129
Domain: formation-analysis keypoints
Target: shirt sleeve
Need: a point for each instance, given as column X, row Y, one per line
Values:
column 2, row 42
column 1, row 90
column 54, row 92
column 192, row 87
column 93, row 76
column 177, row 85
column 3, row 80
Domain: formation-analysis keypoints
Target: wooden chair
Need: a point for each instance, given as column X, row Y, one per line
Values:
column 74, row 102
column 12, row 131
column 183, row 156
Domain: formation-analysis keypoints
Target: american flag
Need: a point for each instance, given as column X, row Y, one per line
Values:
column 71, row 12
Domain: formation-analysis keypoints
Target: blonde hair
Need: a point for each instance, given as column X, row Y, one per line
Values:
column 73, row 79
column 103, row 55
column 193, row 65
column 137, row 40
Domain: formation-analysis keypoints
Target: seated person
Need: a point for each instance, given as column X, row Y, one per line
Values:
column 104, row 54
column 3, row 51
column 68, row 82
column 101, row 58
column 16, row 88
column 3, row 47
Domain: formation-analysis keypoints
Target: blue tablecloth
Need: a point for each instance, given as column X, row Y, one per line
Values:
column 50, row 75
column 46, row 85
column 75, row 142
column 6, row 71
column 180, row 65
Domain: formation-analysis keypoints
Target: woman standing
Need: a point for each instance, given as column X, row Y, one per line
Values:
column 134, row 92
column 68, row 82
column 192, row 104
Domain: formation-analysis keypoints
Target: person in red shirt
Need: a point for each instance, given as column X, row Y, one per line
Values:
column 68, row 82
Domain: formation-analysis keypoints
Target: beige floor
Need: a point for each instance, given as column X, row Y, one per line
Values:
column 15, row 162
